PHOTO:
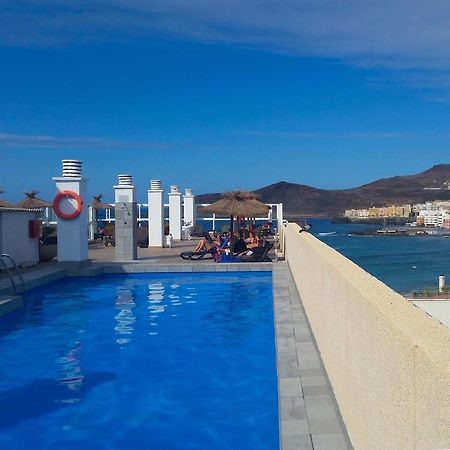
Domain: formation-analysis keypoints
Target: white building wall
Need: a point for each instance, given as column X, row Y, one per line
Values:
column 14, row 236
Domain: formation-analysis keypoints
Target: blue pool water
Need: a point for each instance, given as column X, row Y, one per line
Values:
column 144, row 361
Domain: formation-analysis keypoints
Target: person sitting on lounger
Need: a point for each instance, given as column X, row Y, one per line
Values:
column 256, row 248
column 204, row 245
column 253, row 241
column 239, row 244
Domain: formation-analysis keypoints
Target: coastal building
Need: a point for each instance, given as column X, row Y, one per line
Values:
column 356, row 213
column 382, row 212
column 432, row 216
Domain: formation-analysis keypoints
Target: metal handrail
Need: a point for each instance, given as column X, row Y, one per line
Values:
column 4, row 256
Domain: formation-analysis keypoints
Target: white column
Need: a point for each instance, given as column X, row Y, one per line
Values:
column 189, row 208
column 155, row 215
column 175, row 212
column 270, row 214
column 279, row 216
column 441, row 283
column 72, row 233
column 92, row 219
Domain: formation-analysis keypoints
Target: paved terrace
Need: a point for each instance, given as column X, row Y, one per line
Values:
column 309, row 416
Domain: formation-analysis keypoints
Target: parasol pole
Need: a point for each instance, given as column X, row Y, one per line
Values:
column 231, row 233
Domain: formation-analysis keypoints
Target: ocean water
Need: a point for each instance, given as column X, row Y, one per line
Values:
column 143, row 361
column 402, row 262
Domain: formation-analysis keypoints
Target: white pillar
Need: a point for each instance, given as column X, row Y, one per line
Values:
column 175, row 212
column 441, row 283
column 279, row 216
column 72, row 233
column 189, row 208
column 155, row 215
column 92, row 219
column 125, row 227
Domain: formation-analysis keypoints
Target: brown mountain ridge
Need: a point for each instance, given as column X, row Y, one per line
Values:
column 299, row 199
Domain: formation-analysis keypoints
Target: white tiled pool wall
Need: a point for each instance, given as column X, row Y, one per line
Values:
column 46, row 275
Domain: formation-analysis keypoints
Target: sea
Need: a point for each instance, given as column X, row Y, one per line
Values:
column 405, row 263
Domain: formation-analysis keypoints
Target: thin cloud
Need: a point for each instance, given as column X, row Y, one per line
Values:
column 388, row 33
column 28, row 141
column 408, row 41
column 25, row 141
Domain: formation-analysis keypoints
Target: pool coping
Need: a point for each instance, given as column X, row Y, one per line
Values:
column 309, row 417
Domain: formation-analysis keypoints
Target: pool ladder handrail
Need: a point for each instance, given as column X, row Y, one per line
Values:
column 4, row 256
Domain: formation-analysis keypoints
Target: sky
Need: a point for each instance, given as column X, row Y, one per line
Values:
column 219, row 96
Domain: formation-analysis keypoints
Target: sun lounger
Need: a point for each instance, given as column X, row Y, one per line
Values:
column 259, row 254
column 202, row 254
column 212, row 252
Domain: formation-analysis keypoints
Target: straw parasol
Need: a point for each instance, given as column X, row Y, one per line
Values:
column 238, row 204
column 4, row 203
column 31, row 202
column 97, row 203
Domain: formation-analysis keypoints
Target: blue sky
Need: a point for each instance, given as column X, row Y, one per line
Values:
column 218, row 97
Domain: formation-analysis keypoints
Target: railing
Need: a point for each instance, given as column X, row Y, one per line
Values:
column 275, row 214
column 4, row 257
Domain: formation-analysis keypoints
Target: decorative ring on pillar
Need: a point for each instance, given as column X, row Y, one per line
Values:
column 57, row 209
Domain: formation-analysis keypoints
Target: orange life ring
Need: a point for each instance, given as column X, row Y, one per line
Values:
column 57, row 209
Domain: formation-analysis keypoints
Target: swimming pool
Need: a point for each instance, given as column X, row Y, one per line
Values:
column 144, row 361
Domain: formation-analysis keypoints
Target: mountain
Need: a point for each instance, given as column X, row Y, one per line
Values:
column 298, row 199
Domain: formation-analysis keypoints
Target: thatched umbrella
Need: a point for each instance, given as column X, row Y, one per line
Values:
column 31, row 202
column 237, row 204
column 4, row 203
column 97, row 203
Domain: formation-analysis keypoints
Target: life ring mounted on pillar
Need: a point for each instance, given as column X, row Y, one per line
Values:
column 74, row 196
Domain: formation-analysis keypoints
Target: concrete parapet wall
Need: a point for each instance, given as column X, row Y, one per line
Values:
column 388, row 361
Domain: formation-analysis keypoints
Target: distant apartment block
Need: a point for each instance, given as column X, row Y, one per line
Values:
column 357, row 213
column 430, row 214
column 383, row 212
column 434, row 214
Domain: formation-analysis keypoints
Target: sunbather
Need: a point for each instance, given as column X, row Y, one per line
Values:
column 205, row 245
column 253, row 241
column 253, row 248
column 207, row 248
column 259, row 254
column 239, row 245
